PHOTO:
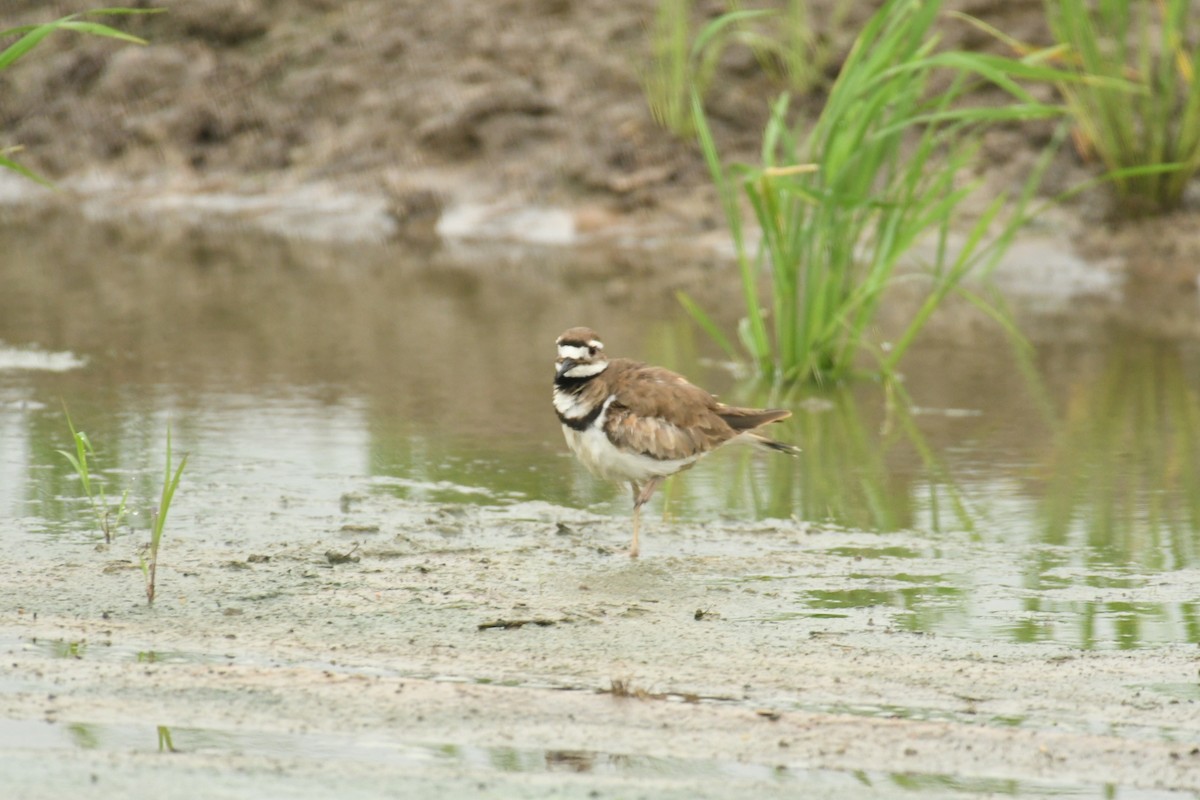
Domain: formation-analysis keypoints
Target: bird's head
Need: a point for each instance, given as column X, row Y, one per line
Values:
column 580, row 354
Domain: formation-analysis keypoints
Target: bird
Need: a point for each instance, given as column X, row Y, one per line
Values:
column 631, row 422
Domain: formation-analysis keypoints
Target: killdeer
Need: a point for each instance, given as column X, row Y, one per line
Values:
column 628, row 421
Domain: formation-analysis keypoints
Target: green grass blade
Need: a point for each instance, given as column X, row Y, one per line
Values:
column 999, row 316
column 117, row 11
column 701, row 318
column 759, row 344
column 71, row 458
column 8, row 163
column 32, row 35
column 27, row 42
column 98, row 29
column 168, row 492
column 710, row 32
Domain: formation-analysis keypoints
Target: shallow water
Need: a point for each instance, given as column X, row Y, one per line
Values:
column 494, row 767
column 1059, row 488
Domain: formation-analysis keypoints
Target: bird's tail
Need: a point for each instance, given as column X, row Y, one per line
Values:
column 782, row 447
column 745, row 419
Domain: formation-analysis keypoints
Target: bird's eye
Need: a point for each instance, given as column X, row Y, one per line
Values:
column 591, row 351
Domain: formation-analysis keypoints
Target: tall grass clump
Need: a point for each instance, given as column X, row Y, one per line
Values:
column 841, row 206
column 108, row 517
column 676, row 70
column 159, row 519
column 789, row 43
column 785, row 43
column 29, row 36
column 1137, row 100
column 666, row 82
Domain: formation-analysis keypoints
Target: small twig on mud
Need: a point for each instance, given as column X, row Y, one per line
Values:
column 342, row 558
column 511, row 624
column 623, row 687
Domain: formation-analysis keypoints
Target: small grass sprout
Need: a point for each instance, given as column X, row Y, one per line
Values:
column 159, row 518
column 108, row 519
column 165, row 744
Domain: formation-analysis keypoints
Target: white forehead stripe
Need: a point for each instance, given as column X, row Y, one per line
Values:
column 572, row 351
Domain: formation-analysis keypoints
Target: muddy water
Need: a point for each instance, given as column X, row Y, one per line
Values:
column 392, row 403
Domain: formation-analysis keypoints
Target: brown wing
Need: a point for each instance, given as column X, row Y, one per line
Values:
column 657, row 413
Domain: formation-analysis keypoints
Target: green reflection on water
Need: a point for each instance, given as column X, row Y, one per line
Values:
column 1101, row 624
column 925, row 606
column 874, row 552
column 934, row 604
column 1123, row 470
column 843, row 475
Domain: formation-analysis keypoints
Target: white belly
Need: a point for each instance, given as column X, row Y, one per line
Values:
column 593, row 449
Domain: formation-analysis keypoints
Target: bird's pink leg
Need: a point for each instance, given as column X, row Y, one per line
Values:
column 641, row 494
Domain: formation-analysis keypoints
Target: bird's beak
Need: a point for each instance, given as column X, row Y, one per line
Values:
column 564, row 365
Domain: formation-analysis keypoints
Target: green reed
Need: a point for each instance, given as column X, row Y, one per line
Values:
column 1136, row 100
column 159, row 517
column 843, row 206
column 108, row 519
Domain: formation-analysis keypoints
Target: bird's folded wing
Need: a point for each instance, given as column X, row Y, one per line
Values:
column 659, row 414
column 660, row 439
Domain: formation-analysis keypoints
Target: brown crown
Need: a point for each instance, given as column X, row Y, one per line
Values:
column 578, row 337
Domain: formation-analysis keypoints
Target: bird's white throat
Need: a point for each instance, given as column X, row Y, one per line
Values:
column 586, row 370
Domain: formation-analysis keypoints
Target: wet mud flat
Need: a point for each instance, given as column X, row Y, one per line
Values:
column 432, row 650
